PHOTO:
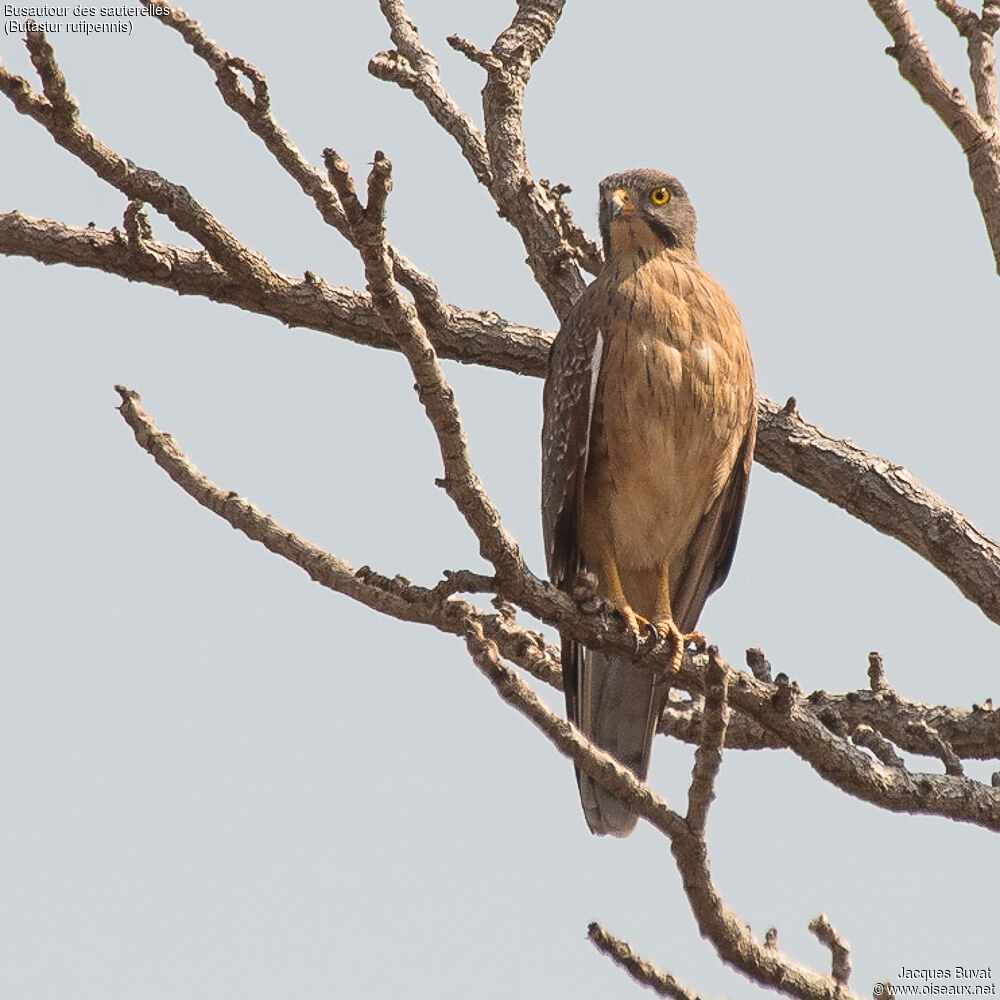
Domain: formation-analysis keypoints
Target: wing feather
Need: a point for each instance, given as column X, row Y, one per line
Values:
column 567, row 407
column 710, row 552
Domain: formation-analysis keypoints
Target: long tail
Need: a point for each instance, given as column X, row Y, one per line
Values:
column 617, row 706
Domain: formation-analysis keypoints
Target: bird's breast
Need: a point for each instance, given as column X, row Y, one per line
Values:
column 673, row 399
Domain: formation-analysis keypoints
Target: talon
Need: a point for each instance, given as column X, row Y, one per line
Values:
column 650, row 631
column 669, row 632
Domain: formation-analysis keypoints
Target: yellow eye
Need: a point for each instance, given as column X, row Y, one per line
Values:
column 659, row 196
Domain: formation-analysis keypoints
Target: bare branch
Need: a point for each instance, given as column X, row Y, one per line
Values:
column 976, row 132
column 868, row 487
column 943, row 750
column 789, row 716
column 593, row 761
column 460, row 482
column 256, row 112
column 918, row 68
column 839, row 948
column 401, row 599
column 785, row 712
column 978, row 33
column 621, row 953
column 972, row 734
column 554, row 242
column 865, row 736
column 731, row 938
column 393, row 596
column 230, row 72
column 471, row 337
column 708, row 756
column 414, row 67
column 57, row 112
column 884, row 495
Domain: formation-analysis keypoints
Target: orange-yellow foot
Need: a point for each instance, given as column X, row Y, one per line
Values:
column 666, row 631
column 660, row 632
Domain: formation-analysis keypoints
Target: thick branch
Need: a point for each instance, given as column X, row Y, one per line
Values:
column 470, row 337
column 884, row 495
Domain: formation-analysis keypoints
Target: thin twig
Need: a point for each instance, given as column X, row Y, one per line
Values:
column 389, row 596
column 643, row 972
column 57, row 112
column 413, row 67
column 839, row 948
column 435, row 394
column 974, row 129
column 257, row 113
column 554, row 242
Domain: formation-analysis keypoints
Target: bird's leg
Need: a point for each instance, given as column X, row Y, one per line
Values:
column 612, row 586
column 664, row 625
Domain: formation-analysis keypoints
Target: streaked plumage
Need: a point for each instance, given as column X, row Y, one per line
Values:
column 647, row 440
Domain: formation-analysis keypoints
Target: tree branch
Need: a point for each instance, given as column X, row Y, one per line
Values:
column 470, row 337
column 57, row 112
column 413, row 67
column 885, row 496
column 401, row 599
column 554, row 242
column 435, row 394
column 777, row 708
column 708, row 756
column 731, row 937
column 257, row 114
column 975, row 132
column 393, row 596
column 643, row 972
column 786, row 713
column 972, row 734
column 839, row 949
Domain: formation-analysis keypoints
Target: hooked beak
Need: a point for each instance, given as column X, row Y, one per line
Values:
column 620, row 204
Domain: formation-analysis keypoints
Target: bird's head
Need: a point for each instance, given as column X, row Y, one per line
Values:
column 643, row 212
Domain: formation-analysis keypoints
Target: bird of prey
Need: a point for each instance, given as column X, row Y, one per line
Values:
column 647, row 439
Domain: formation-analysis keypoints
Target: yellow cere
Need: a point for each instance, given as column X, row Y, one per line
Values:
column 659, row 196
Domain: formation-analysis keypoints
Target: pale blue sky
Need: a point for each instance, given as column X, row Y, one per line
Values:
column 219, row 780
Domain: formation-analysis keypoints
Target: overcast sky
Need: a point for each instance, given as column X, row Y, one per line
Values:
column 218, row 779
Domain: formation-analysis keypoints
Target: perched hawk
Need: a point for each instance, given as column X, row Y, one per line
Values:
column 647, row 439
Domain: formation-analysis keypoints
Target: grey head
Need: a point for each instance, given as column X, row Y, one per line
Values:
column 638, row 200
